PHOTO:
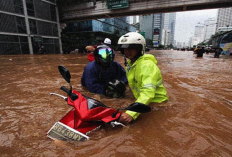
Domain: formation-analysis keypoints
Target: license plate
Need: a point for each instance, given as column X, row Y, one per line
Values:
column 63, row 132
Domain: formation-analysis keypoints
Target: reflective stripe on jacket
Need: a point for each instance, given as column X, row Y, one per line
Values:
column 145, row 80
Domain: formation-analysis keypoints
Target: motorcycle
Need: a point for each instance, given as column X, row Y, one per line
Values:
column 87, row 114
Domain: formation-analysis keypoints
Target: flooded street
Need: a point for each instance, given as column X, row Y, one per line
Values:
column 196, row 121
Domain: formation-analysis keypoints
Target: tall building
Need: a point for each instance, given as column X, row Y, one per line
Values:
column 169, row 26
column 133, row 19
column 146, row 25
column 210, row 28
column 159, row 28
column 174, row 43
column 28, row 24
column 179, row 45
column 190, row 43
column 152, row 26
column 224, row 19
column 199, row 34
column 158, row 37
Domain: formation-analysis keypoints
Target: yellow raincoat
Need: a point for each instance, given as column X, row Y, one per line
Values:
column 145, row 80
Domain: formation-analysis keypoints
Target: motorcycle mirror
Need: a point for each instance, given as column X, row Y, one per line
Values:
column 65, row 73
column 138, row 107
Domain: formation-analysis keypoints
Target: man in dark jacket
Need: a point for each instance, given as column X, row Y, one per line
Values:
column 200, row 51
column 103, row 69
column 218, row 52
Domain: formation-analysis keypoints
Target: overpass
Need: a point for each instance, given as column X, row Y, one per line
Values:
column 98, row 9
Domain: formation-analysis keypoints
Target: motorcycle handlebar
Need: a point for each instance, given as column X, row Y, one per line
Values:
column 73, row 96
column 63, row 88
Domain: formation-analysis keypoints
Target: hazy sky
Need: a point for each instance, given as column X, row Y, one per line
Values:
column 186, row 22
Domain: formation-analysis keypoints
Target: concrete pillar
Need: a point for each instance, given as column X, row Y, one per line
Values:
column 27, row 27
column 59, row 30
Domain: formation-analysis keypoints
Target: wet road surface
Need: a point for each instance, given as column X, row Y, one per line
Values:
column 196, row 121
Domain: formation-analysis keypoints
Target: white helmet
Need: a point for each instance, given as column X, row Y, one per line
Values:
column 107, row 41
column 132, row 40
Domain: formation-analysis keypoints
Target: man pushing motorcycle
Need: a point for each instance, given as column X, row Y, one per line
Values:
column 143, row 75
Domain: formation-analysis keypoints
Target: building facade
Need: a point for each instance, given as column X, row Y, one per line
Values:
column 152, row 26
column 93, row 32
column 160, row 28
column 146, row 25
column 224, row 19
column 169, row 27
column 26, row 25
column 199, row 35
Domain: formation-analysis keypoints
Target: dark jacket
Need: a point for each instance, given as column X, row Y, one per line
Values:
column 200, row 52
column 95, row 76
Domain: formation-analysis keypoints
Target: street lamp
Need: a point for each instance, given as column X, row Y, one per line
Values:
column 206, row 26
column 227, row 27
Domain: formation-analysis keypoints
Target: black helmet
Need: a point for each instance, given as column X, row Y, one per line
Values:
column 104, row 54
column 115, row 89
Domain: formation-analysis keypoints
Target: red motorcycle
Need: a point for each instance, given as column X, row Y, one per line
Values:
column 86, row 115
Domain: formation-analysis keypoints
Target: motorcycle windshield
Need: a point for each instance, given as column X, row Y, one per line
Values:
column 92, row 103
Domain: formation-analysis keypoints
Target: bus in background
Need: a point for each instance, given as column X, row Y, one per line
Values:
column 226, row 43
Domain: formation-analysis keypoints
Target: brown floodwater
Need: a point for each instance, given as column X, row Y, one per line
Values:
column 196, row 121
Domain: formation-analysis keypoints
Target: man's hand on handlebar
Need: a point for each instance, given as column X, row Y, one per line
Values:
column 125, row 118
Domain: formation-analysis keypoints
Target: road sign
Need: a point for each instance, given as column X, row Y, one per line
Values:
column 143, row 34
column 117, row 4
column 156, row 37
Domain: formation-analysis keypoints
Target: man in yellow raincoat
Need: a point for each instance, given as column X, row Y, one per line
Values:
column 144, row 76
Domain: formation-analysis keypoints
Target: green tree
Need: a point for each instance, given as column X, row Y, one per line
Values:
column 170, row 46
column 149, row 42
column 161, row 46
